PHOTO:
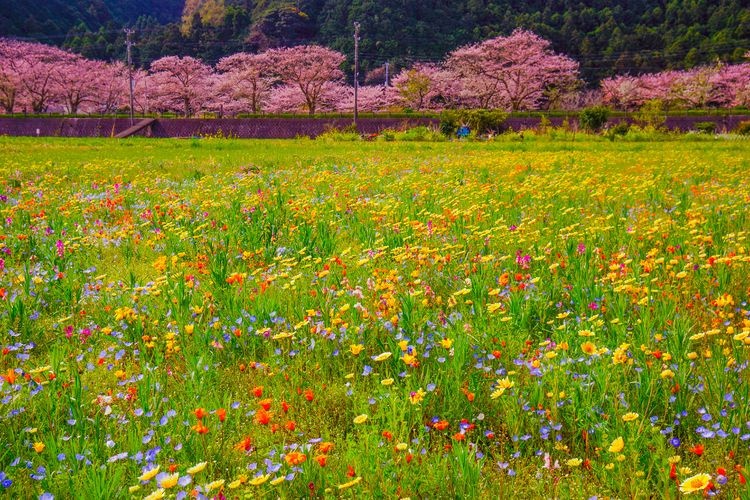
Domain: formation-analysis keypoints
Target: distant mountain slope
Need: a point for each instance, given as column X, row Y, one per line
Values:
column 606, row 37
column 54, row 18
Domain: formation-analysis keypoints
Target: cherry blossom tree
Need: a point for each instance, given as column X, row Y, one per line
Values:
column 112, row 88
column 29, row 70
column 426, row 86
column 723, row 85
column 308, row 68
column 622, row 92
column 79, row 82
column 10, row 79
column 333, row 97
column 246, row 81
column 695, row 88
column 181, row 84
column 733, row 83
column 370, row 99
column 516, row 71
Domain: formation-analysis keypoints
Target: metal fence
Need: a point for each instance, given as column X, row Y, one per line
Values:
column 282, row 128
column 260, row 128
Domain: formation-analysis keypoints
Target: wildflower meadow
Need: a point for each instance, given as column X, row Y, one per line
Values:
column 306, row 319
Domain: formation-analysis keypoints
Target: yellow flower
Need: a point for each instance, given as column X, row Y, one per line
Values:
column 609, row 466
column 695, row 483
column 401, row 446
column 617, row 445
column 446, row 343
column 667, row 374
column 277, row 480
column 238, row 482
column 156, row 495
column 675, row 459
column 149, row 474
column 360, row 419
column 620, row 355
column 169, row 481
column 502, row 385
column 214, row 485
column 351, row 483
column 416, row 397
column 189, row 329
column 39, row 447
column 382, row 357
column 588, row 348
column 195, row 469
column 387, row 381
column 629, row 417
column 135, row 488
column 257, row 481
column 574, row 462
column 356, row 348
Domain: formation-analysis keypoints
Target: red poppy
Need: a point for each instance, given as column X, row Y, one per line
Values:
column 309, row 394
column 263, row 417
column 441, row 425
column 200, row 428
column 245, row 445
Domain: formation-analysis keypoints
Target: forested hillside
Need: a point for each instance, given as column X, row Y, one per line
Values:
column 606, row 37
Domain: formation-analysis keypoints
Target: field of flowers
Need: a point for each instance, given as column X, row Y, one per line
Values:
column 311, row 319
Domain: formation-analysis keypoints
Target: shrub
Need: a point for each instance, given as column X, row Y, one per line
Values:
column 387, row 135
column 619, row 130
column 448, row 123
column 706, row 127
column 421, row 133
column 479, row 121
column 743, row 128
column 652, row 114
column 485, row 121
column 593, row 119
column 545, row 124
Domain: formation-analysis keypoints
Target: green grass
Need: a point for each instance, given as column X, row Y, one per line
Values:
column 531, row 293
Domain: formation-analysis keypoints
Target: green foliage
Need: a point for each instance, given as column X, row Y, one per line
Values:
column 619, row 130
column 420, row 134
column 652, row 114
column 449, row 123
column 348, row 133
column 706, row 127
column 604, row 37
column 593, row 119
column 743, row 128
column 479, row 121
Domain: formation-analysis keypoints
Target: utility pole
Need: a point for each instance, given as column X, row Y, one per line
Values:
column 356, row 70
column 129, row 44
